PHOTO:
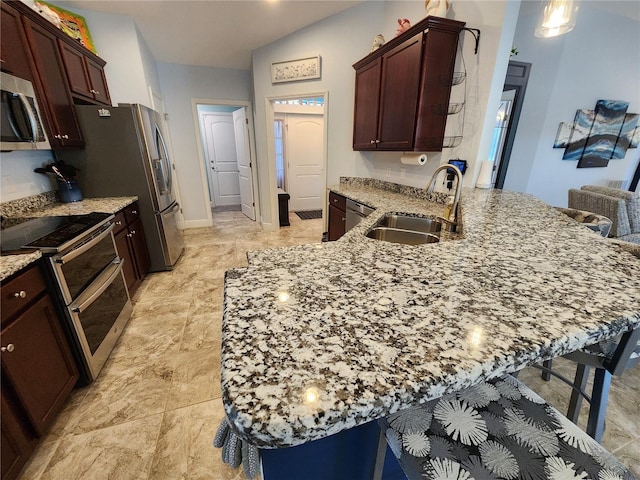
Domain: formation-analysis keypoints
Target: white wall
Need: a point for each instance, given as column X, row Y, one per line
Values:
column 340, row 40
column 180, row 84
column 597, row 60
column 18, row 178
column 130, row 68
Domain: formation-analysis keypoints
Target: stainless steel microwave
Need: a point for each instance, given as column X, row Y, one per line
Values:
column 20, row 119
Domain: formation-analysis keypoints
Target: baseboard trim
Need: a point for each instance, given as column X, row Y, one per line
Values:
column 197, row 223
column 270, row 227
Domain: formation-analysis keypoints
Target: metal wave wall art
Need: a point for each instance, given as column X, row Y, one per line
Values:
column 597, row 136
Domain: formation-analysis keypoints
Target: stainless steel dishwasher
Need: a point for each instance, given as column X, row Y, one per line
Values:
column 356, row 212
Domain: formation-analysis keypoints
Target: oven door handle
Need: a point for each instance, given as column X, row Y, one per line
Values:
column 83, row 247
column 99, row 285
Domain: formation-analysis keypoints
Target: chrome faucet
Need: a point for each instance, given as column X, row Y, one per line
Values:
column 453, row 214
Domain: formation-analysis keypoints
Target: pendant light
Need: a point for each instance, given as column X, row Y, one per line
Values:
column 557, row 17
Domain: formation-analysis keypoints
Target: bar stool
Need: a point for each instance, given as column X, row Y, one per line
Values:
column 598, row 223
column 495, row 429
column 609, row 357
column 235, row 451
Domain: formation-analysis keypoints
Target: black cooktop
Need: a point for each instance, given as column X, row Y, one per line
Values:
column 48, row 234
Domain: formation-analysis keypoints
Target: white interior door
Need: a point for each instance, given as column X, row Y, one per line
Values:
column 304, row 154
column 222, row 160
column 243, row 153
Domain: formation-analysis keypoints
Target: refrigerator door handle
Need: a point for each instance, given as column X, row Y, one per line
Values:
column 165, row 163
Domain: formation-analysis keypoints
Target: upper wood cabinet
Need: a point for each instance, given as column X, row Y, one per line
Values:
column 14, row 49
column 86, row 75
column 63, row 127
column 62, row 71
column 403, row 88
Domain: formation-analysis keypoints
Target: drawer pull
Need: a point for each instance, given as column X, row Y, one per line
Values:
column 20, row 294
column 9, row 348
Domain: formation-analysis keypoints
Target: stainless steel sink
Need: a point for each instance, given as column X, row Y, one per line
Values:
column 397, row 235
column 416, row 224
column 407, row 229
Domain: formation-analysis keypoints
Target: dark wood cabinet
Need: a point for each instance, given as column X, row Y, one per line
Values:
column 62, row 124
column 132, row 246
column 367, row 107
column 62, row 71
column 402, row 89
column 87, row 81
column 337, row 216
column 14, row 49
column 38, row 368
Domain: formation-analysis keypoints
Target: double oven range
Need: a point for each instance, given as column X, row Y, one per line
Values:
column 85, row 272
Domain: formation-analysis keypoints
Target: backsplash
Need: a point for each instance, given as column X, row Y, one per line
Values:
column 18, row 178
column 416, row 192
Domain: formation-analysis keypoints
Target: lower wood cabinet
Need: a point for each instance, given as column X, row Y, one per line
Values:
column 38, row 368
column 132, row 246
column 337, row 216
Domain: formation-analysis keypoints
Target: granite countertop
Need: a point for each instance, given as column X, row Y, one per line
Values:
column 87, row 205
column 321, row 338
column 10, row 264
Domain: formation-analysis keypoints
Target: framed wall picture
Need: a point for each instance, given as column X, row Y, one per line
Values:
column 296, row 70
column 73, row 25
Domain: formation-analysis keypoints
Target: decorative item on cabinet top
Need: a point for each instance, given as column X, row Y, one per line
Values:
column 378, row 41
column 70, row 23
column 437, row 8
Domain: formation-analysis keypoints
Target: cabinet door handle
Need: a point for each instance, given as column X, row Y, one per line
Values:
column 372, row 142
column 65, row 137
column 377, row 141
column 134, row 212
column 133, row 232
column 20, row 294
column 9, row 348
column 118, row 223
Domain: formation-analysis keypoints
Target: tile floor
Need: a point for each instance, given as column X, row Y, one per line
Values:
column 153, row 411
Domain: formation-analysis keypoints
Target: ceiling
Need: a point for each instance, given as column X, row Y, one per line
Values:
column 222, row 33
column 214, row 33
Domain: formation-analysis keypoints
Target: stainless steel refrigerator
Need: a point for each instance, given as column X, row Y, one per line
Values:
column 126, row 154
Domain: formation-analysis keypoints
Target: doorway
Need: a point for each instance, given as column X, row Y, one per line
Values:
column 226, row 156
column 298, row 148
column 507, row 118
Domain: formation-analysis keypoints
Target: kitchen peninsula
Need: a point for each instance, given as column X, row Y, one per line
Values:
column 318, row 339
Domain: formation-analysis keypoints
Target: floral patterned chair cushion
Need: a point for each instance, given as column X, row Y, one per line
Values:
column 495, row 429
